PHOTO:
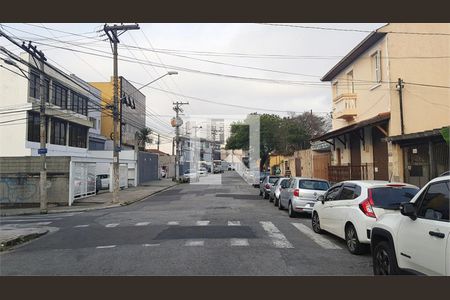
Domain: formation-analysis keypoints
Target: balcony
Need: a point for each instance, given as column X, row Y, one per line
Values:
column 345, row 106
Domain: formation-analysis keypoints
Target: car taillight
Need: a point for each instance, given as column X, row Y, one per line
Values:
column 367, row 206
column 267, row 186
column 296, row 192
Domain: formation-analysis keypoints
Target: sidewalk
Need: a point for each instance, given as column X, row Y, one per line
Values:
column 100, row 201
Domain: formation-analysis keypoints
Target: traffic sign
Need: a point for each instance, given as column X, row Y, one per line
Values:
column 42, row 151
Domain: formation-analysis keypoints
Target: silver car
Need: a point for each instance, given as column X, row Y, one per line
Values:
column 275, row 190
column 301, row 194
column 266, row 184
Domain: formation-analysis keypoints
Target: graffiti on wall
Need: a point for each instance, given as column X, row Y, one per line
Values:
column 18, row 190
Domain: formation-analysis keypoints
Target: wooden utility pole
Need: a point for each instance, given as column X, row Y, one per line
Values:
column 158, row 142
column 112, row 33
column 177, row 108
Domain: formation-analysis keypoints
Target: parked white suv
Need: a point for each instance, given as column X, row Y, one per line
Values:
column 350, row 208
column 416, row 241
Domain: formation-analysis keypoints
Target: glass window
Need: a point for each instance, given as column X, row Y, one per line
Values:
column 58, row 132
column 333, row 193
column 376, row 66
column 33, row 127
column 77, row 136
column 35, row 86
column 392, row 197
column 317, row 185
column 347, row 193
column 435, row 203
column 59, row 96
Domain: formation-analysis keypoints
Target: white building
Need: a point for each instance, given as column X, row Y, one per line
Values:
column 71, row 108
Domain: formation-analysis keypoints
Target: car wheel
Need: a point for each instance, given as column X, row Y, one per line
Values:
column 292, row 213
column 315, row 223
column 266, row 196
column 384, row 261
column 280, row 206
column 351, row 238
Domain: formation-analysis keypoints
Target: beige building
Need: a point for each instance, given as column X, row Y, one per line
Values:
column 379, row 129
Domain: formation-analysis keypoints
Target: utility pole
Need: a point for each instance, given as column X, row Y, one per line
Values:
column 158, row 142
column 113, row 33
column 177, row 108
column 400, row 87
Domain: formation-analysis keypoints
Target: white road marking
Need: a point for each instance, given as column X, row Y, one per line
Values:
column 173, row 223
column 202, row 223
column 278, row 239
column 239, row 242
column 321, row 241
column 43, row 223
column 112, row 225
column 150, row 245
column 105, row 247
column 234, row 223
column 142, row 224
column 82, row 226
column 30, row 220
column 195, row 243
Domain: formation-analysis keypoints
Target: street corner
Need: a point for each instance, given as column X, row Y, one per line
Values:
column 11, row 236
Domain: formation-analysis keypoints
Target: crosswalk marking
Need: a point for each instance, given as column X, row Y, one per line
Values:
column 150, row 245
column 194, row 243
column 239, row 242
column 81, row 226
column 278, row 239
column 142, row 224
column 321, row 241
column 202, row 223
column 234, row 223
column 112, row 225
column 173, row 223
column 30, row 220
column 43, row 223
column 105, row 247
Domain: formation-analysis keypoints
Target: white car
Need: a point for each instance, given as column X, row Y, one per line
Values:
column 202, row 172
column 417, row 240
column 349, row 209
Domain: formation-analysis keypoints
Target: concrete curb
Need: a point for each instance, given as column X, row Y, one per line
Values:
column 92, row 208
column 5, row 245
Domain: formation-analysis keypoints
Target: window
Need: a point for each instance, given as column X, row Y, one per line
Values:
column 392, row 197
column 435, row 203
column 77, row 136
column 376, row 66
column 94, row 122
column 333, row 193
column 35, row 84
column 313, row 185
column 59, row 96
column 79, row 104
column 347, row 193
column 350, row 83
column 33, row 127
column 58, row 132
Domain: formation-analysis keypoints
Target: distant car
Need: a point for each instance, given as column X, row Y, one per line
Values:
column 202, row 171
column 275, row 190
column 102, row 182
column 217, row 169
column 301, row 194
column 416, row 240
column 350, row 208
column 266, row 185
column 190, row 175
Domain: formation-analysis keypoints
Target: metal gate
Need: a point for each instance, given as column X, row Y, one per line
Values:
column 148, row 167
column 83, row 179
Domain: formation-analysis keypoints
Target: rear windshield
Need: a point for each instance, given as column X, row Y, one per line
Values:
column 313, row 185
column 391, row 197
column 272, row 180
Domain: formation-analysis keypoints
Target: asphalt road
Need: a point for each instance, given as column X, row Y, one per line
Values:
column 219, row 226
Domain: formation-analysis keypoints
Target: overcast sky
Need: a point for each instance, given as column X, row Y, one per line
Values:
column 223, row 38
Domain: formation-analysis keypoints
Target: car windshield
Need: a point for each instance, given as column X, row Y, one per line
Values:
column 313, row 185
column 392, row 197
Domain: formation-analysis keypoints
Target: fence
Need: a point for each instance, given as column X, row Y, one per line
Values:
column 349, row 172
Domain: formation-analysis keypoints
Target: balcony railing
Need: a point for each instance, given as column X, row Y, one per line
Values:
column 345, row 106
column 350, row 172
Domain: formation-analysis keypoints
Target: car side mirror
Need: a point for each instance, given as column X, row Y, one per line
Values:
column 321, row 198
column 408, row 209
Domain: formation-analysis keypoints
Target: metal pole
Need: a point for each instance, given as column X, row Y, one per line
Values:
column 115, row 128
column 43, row 140
column 400, row 88
column 158, row 141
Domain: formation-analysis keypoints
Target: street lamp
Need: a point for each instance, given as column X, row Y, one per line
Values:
column 168, row 73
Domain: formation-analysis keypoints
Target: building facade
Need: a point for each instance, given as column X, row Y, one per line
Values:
column 68, row 107
column 389, row 106
column 132, row 109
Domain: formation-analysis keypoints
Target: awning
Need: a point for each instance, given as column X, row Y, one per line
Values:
column 434, row 133
column 380, row 118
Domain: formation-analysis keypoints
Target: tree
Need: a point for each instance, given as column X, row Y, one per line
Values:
column 142, row 137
